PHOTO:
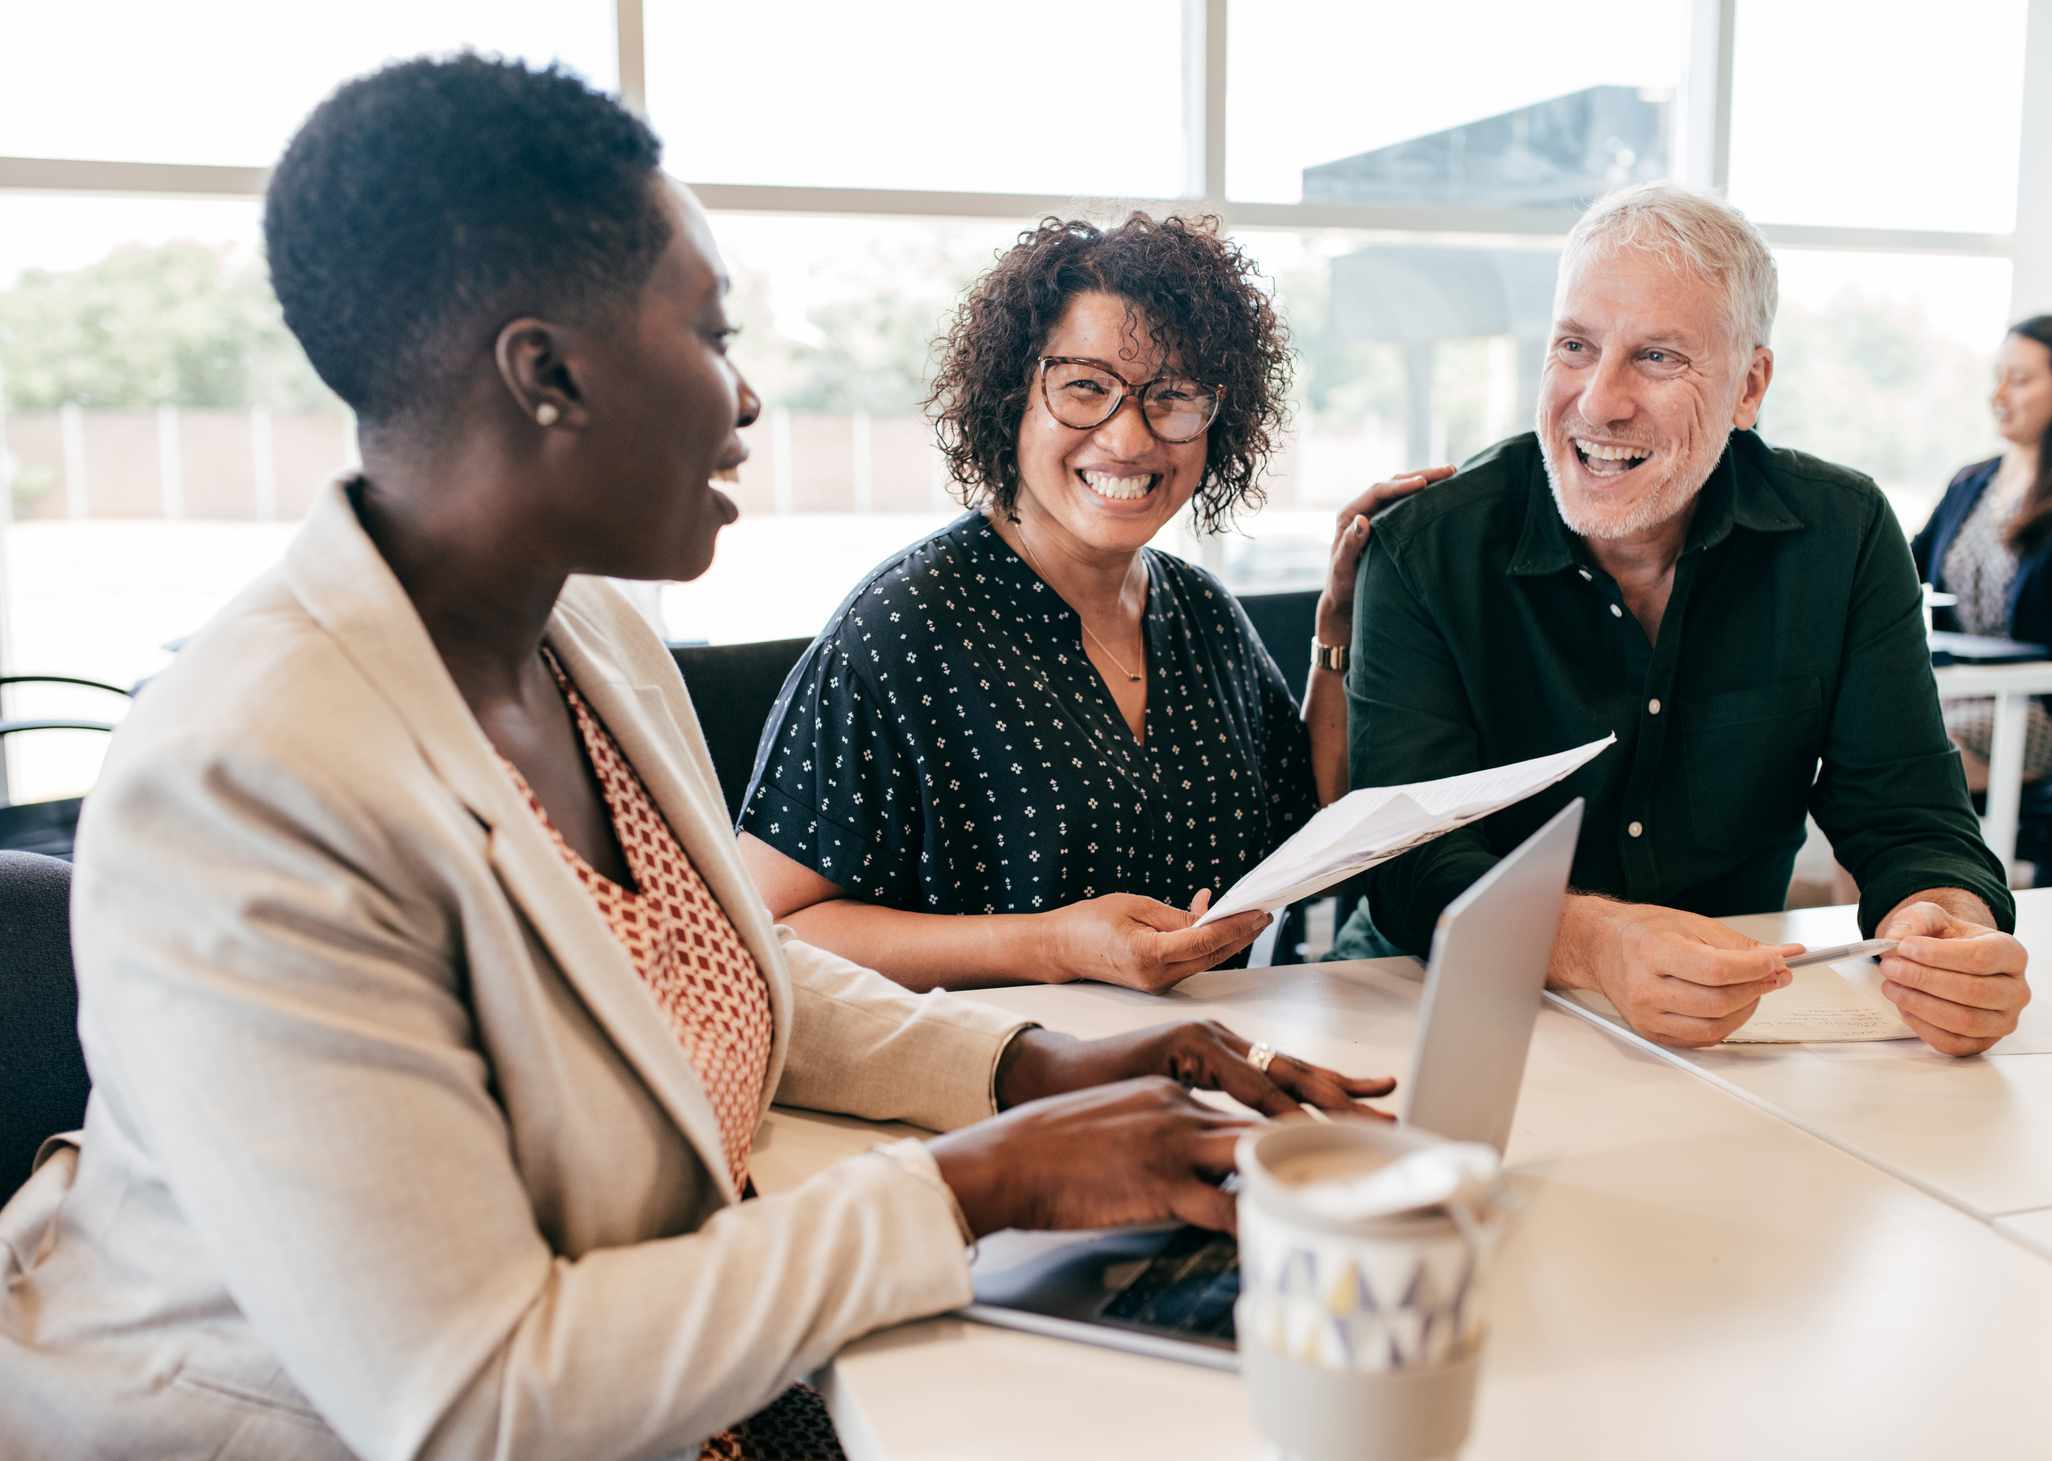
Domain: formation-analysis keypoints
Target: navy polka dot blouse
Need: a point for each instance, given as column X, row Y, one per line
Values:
column 946, row 746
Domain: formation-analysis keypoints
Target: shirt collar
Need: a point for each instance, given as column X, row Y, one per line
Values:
column 1737, row 495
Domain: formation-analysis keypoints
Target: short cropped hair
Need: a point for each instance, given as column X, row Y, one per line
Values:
column 1194, row 292
column 1692, row 231
column 422, row 206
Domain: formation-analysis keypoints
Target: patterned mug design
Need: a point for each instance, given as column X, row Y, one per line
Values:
column 1373, row 1304
column 1386, row 1291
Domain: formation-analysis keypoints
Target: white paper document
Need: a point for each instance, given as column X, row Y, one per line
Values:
column 1377, row 823
column 1821, row 1006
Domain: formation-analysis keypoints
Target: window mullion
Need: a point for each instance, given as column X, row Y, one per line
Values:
column 1702, row 156
column 1204, row 100
column 629, row 39
column 2031, row 284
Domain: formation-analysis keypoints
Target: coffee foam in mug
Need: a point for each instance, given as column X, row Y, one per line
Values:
column 1348, row 1185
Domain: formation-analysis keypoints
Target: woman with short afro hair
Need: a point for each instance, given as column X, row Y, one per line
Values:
column 430, row 1013
column 1030, row 748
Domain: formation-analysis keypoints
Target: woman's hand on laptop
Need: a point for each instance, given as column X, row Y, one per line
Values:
column 1676, row 977
column 1139, row 1151
column 1196, row 1054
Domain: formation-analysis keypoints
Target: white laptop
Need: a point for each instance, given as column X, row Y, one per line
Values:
column 1170, row 1291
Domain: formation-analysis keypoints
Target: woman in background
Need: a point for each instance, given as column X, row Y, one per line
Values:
column 430, row 1013
column 1989, row 540
column 1030, row 747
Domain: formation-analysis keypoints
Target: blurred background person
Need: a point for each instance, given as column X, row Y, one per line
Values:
column 1988, row 540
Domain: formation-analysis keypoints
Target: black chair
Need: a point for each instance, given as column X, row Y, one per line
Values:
column 48, row 827
column 1285, row 622
column 734, row 686
column 43, row 1081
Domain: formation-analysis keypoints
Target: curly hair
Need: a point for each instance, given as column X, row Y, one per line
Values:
column 422, row 206
column 1198, row 297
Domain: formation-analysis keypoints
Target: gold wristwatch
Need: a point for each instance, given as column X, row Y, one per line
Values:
column 1328, row 656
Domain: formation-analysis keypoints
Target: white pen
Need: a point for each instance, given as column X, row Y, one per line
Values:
column 1842, row 951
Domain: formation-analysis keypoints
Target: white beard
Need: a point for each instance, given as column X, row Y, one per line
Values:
column 1654, row 505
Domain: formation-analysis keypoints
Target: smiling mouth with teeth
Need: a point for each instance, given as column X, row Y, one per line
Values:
column 1609, row 461
column 1120, row 489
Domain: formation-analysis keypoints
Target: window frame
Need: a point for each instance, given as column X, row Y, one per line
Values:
column 1703, row 154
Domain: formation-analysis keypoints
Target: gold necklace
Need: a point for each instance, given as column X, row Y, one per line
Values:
column 1131, row 678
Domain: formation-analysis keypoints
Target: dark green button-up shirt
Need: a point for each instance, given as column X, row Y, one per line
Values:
column 1485, row 633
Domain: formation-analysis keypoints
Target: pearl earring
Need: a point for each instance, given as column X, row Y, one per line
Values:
column 546, row 414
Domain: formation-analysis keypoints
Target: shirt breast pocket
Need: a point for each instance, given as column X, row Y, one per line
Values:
column 1749, row 757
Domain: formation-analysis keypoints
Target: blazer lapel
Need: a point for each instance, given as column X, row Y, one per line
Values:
column 598, row 967
column 647, row 720
column 346, row 585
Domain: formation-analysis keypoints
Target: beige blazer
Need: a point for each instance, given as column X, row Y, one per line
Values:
column 389, row 1151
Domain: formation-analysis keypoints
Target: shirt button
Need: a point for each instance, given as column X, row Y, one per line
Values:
column 1616, row 612
column 1636, row 829
column 1587, row 576
column 1653, row 707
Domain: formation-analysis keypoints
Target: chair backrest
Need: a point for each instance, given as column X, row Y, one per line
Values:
column 1286, row 621
column 43, row 1081
column 44, row 827
column 734, row 686
column 47, row 826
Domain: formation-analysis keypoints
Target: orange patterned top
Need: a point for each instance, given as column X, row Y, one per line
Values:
column 683, row 945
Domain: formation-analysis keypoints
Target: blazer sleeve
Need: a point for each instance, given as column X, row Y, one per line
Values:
column 273, row 1001
column 864, row 1046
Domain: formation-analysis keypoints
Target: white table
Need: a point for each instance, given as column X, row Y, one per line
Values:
column 1693, row 1276
column 2012, row 687
column 1975, row 1133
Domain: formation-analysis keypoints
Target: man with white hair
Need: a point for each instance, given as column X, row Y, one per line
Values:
column 1737, row 613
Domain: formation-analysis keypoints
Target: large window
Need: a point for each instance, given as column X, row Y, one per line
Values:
column 1885, row 362
column 839, row 318
column 160, row 433
column 931, row 94
column 1471, row 105
column 1403, row 178
column 1412, row 349
column 1877, row 118
column 225, row 82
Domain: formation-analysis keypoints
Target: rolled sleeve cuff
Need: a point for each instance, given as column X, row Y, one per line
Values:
column 911, row 1156
column 998, row 1064
column 1880, row 895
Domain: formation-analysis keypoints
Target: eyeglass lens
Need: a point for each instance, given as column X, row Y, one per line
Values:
column 1084, row 396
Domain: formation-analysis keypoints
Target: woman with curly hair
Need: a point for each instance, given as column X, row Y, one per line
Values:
column 1029, row 748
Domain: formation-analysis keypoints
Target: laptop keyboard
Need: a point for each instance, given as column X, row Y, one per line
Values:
column 1188, row 1287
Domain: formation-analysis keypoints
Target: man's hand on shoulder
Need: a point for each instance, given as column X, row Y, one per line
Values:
column 1675, row 977
column 1957, row 980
